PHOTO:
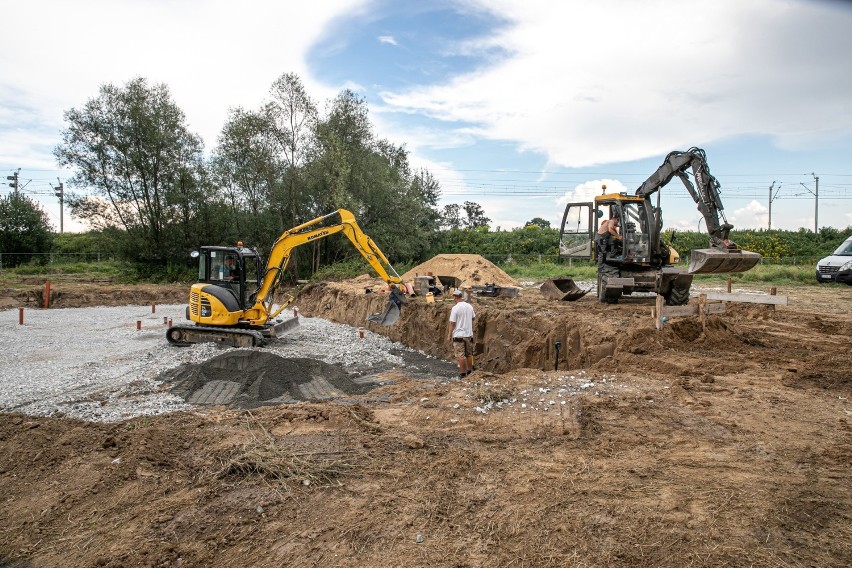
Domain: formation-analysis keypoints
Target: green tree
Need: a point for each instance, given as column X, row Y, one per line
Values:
column 354, row 170
column 247, row 168
column 451, row 216
column 132, row 147
column 538, row 222
column 294, row 117
column 475, row 215
column 24, row 229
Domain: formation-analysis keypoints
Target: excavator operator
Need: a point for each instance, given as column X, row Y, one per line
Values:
column 607, row 231
column 232, row 269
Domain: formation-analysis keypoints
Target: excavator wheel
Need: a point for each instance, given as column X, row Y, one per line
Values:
column 604, row 272
column 677, row 296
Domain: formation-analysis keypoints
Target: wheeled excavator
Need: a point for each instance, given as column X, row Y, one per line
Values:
column 639, row 260
column 232, row 302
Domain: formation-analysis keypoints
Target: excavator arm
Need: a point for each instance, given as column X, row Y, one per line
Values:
column 705, row 191
column 723, row 255
column 282, row 250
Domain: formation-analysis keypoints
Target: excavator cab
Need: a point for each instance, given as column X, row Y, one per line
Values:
column 233, row 274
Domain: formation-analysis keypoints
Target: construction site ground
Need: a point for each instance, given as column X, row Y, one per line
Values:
column 724, row 446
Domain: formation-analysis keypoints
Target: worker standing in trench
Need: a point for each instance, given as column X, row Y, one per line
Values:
column 461, row 333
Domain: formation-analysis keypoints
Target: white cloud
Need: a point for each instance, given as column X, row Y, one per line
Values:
column 212, row 54
column 752, row 216
column 612, row 81
column 387, row 39
column 587, row 191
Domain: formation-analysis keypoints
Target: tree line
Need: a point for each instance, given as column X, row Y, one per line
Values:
column 149, row 193
column 152, row 193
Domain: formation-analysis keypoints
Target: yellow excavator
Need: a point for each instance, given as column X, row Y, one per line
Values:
column 639, row 260
column 232, row 302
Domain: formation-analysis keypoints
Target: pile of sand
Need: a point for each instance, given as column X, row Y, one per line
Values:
column 471, row 269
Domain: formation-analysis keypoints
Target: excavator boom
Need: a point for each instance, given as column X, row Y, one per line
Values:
column 723, row 256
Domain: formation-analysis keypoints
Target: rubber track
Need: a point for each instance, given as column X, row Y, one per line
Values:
column 224, row 332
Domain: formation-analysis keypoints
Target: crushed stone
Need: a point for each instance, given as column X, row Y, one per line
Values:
column 93, row 363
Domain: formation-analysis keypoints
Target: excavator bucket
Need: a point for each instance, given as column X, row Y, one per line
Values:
column 390, row 314
column 562, row 289
column 718, row 261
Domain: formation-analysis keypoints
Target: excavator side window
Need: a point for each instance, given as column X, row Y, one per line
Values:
column 217, row 267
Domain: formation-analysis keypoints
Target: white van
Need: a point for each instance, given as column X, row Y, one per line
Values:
column 838, row 266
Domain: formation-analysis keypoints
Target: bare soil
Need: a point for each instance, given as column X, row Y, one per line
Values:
column 724, row 446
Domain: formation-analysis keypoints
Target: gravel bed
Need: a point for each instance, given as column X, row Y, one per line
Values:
column 93, row 363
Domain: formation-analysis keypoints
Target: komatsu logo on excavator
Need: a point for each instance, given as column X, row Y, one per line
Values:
column 318, row 235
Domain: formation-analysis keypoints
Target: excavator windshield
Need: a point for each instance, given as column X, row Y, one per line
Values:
column 635, row 232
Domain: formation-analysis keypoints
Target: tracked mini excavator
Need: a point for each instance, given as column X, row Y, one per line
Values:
column 232, row 302
column 639, row 260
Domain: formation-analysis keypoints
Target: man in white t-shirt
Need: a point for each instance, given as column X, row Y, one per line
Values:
column 461, row 333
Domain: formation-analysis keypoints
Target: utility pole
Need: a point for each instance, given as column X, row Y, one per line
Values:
column 771, row 199
column 816, row 203
column 14, row 179
column 60, row 193
column 815, row 193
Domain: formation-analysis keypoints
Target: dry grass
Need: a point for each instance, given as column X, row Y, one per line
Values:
column 282, row 460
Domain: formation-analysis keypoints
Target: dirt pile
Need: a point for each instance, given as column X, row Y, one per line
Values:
column 249, row 379
column 471, row 269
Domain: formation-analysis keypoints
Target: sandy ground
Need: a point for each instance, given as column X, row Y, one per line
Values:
column 724, row 446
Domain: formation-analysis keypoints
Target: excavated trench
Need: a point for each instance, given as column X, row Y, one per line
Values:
column 510, row 333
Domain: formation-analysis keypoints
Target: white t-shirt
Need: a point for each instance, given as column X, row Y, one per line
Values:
column 462, row 315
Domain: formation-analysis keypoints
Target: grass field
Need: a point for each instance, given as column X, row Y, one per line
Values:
column 781, row 275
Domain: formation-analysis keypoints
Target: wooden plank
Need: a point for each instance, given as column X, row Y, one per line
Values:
column 692, row 310
column 748, row 298
column 679, row 311
column 659, row 314
column 716, row 308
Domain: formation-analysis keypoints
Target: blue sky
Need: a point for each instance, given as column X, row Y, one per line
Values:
column 517, row 105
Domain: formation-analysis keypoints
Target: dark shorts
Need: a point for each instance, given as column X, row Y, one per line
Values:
column 462, row 347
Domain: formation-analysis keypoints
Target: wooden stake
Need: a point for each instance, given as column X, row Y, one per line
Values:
column 702, row 311
column 730, row 281
column 659, row 315
column 20, row 316
column 47, row 294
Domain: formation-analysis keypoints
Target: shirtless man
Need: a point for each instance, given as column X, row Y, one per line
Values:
column 607, row 231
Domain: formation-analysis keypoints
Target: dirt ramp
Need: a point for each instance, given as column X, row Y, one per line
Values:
column 248, row 379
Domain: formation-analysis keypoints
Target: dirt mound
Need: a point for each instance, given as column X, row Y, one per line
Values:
column 248, row 379
column 471, row 269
